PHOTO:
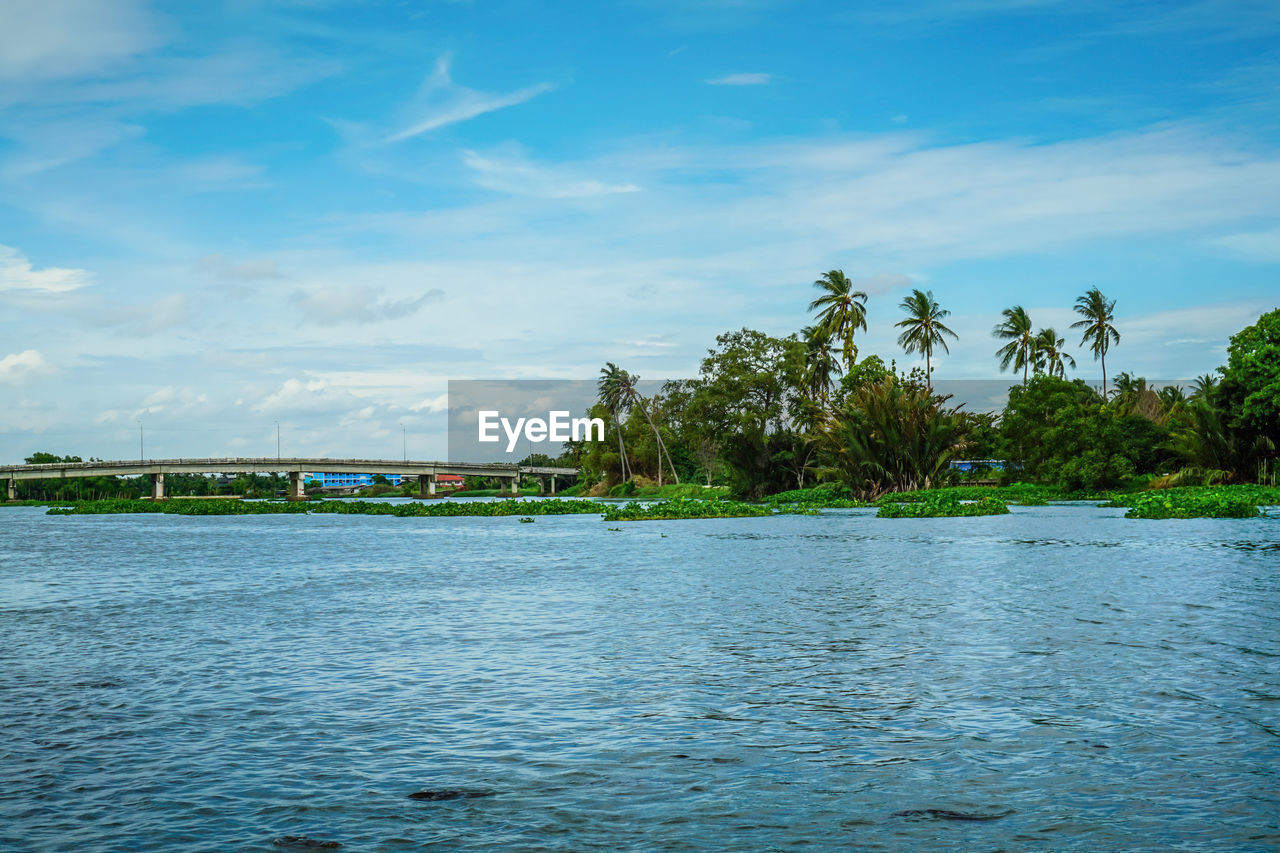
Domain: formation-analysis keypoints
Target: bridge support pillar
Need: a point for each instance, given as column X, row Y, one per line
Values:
column 426, row 485
column 553, row 484
column 157, row 487
column 13, row 489
column 515, row 484
column 297, row 486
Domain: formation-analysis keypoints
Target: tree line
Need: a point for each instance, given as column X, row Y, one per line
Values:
column 768, row 413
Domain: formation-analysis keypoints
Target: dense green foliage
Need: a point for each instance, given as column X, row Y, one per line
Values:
column 214, row 506
column 1062, row 432
column 942, row 506
column 893, row 435
column 1250, row 387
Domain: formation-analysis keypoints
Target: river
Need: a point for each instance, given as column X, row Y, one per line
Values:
column 1057, row 679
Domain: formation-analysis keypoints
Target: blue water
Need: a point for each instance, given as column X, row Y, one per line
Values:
column 1085, row 681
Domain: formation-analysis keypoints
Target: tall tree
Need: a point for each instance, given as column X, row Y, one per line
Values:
column 1021, row 349
column 1049, row 354
column 610, row 394
column 1099, row 332
column 821, row 364
column 843, row 310
column 924, row 329
column 629, row 388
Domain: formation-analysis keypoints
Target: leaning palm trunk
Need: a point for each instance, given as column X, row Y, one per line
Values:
column 622, row 453
column 662, row 448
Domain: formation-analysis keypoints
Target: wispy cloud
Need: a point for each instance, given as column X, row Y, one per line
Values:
column 17, row 273
column 753, row 79
column 441, row 102
column 332, row 306
column 46, row 39
column 220, row 266
column 511, row 172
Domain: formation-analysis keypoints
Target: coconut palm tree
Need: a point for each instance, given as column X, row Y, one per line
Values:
column 843, row 310
column 629, row 392
column 1099, row 332
column 924, row 329
column 1049, row 355
column 1021, row 350
column 1203, row 386
column 610, row 394
column 821, row 364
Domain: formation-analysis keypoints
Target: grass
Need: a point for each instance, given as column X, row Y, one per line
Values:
column 943, row 507
column 669, row 491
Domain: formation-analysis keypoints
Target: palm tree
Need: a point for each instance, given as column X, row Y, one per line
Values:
column 1204, row 385
column 1021, row 349
column 820, row 362
column 1049, row 355
column 1098, row 331
column 610, row 394
column 629, row 392
column 843, row 310
column 924, row 328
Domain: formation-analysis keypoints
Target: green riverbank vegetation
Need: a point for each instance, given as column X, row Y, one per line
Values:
column 771, row 415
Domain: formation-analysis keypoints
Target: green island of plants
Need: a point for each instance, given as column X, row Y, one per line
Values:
column 825, row 496
column 1221, row 502
column 679, row 508
column 943, row 507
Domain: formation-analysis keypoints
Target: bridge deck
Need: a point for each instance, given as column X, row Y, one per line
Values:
column 267, row 465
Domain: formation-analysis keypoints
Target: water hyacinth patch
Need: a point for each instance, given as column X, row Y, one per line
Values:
column 943, row 507
column 679, row 508
column 1207, row 504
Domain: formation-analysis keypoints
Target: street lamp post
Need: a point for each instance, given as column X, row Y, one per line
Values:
column 277, row 441
column 404, row 443
column 142, row 451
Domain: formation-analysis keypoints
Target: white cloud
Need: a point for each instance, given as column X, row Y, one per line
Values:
column 1254, row 245
column 19, row 367
column 17, row 273
column 43, row 39
column 142, row 320
column 753, row 79
column 442, row 102
column 332, row 305
column 515, row 174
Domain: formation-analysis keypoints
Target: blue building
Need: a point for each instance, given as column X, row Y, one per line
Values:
column 349, row 480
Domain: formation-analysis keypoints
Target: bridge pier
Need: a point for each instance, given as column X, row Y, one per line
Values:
column 13, row 489
column 157, row 487
column 426, row 485
column 297, row 487
column 553, row 485
column 515, row 485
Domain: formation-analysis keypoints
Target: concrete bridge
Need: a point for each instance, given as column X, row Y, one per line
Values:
column 296, row 468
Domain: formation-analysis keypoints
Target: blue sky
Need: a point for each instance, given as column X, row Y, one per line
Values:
column 215, row 216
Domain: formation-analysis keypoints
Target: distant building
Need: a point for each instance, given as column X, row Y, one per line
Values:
column 978, row 464
column 329, row 481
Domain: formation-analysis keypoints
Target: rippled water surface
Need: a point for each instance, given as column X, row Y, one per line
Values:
column 1079, row 680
